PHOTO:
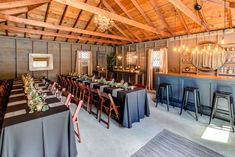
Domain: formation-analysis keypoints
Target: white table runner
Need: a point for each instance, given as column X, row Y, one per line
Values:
column 15, row 113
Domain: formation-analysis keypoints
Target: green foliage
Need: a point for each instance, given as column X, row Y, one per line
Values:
column 111, row 61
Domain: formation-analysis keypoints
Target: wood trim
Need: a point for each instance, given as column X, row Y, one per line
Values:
column 13, row 12
column 22, row 3
column 183, row 8
column 53, row 26
column 221, row 3
column 62, row 18
column 95, row 10
column 229, row 18
column 39, row 32
column 26, row 16
column 46, row 16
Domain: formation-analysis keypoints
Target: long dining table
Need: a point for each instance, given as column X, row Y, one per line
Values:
column 38, row 134
column 134, row 104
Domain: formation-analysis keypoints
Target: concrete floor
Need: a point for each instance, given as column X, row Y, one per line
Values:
column 98, row 141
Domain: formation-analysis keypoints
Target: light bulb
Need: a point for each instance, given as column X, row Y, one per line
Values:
column 186, row 49
column 209, row 47
column 193, row 52
column 216, row 49
column 178, row 49
column 222, row 41
column 183, row 47
column 196, row 48
column 175, row 49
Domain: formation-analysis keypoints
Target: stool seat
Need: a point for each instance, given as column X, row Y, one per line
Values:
column 222, row 93
column 164, row 84
column 191, row 89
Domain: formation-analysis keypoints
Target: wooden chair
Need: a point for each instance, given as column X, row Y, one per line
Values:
column 109, row 107
column 85, row 97
column 68, row 96
column 95, row 100
column 75, row 117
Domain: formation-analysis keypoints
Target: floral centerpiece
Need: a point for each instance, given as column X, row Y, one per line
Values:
column 35, row 100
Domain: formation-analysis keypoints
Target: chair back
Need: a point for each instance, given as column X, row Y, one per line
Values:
column 59, row 95
column 113, row 105
column 53, row 88
column 79, row 105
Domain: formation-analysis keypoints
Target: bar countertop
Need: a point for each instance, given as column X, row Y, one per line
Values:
column 197, row 76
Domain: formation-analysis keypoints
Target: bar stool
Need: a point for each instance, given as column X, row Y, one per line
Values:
column 196, row 97
column 230, row 106
column 164, row 88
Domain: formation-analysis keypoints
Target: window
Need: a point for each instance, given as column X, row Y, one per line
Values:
column 156, row 60
column 84, row 56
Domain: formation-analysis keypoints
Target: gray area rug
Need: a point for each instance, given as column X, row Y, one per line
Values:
column 168, row 144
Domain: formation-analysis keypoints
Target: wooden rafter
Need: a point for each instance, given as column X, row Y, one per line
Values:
column 21, row 3
column 89, row 21
column 127, row 13
column 229, row 18
column 14, row 11
column 6, row 31
column 183, row 8
column 95, row 10
column 46, row 16
column 76, row 21
column 126, row 26
column 156, row 9
column 62, row 18
column 26, row 16
column 59, row 27
column 39, row 32
column 182, row 21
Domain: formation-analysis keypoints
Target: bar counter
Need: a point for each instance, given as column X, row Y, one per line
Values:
column 207, row 85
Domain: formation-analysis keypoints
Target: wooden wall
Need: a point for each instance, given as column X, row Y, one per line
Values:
column 14, row 56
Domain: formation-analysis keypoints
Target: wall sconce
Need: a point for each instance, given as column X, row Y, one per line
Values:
column 119, row 57
column 135, row 56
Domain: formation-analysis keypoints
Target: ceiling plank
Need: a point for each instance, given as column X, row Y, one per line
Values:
column 39, row 32
column 126, row 26
column 60, row 27
column 153, row 3
column 221, row 3
column 89, row 21
column 76, row 21
column 127, row 13
column 21, row 3
column 183, row 8
column 182, row 21
column 113, row 16
column 46, row 16
column 229, row 18
column 62, row 18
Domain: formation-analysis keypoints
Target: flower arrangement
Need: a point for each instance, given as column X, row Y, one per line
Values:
column 35, row 100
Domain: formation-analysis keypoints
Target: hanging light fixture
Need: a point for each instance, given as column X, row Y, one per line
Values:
column 103, row 22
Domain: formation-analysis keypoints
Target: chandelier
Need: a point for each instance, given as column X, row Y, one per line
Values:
column 102, row 22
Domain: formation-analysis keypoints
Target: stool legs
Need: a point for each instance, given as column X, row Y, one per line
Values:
column 182, row 105
column 196, row 104
column 167, row 97
column 231, row 113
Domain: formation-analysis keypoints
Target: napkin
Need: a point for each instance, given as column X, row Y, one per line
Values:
column 15, row 113
column 16, row 103
column 92, row 84
column 16, row 95
column 102, row 88
column 55, row 104
column 13, row 90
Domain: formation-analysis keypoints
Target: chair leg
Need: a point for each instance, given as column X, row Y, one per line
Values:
column 101, row 106
column 158, row 96
column 196, row 104
column 183, row 101
column 199, row 103
column 230, row 113
column 212, row 108
column 186, row 101
column 167, row 97
column 109, row 116
column 173, row 104
column 78, row 132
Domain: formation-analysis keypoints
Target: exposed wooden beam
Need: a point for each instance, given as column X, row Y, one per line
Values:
column 126, row 26
column 6, row 31
column 156, row 9
column 183, row 8
column 62, row 18
column 76, row 21
column 46, row 16
column 229, row 18
column 53, row 26
column 26, row 16
column 39, row 32
column 182, row 21
column 21, row 3
column 95, row 10
column 127, row 13
column 14, row 11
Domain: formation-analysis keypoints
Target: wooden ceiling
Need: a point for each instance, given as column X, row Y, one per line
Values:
column 134, row 20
